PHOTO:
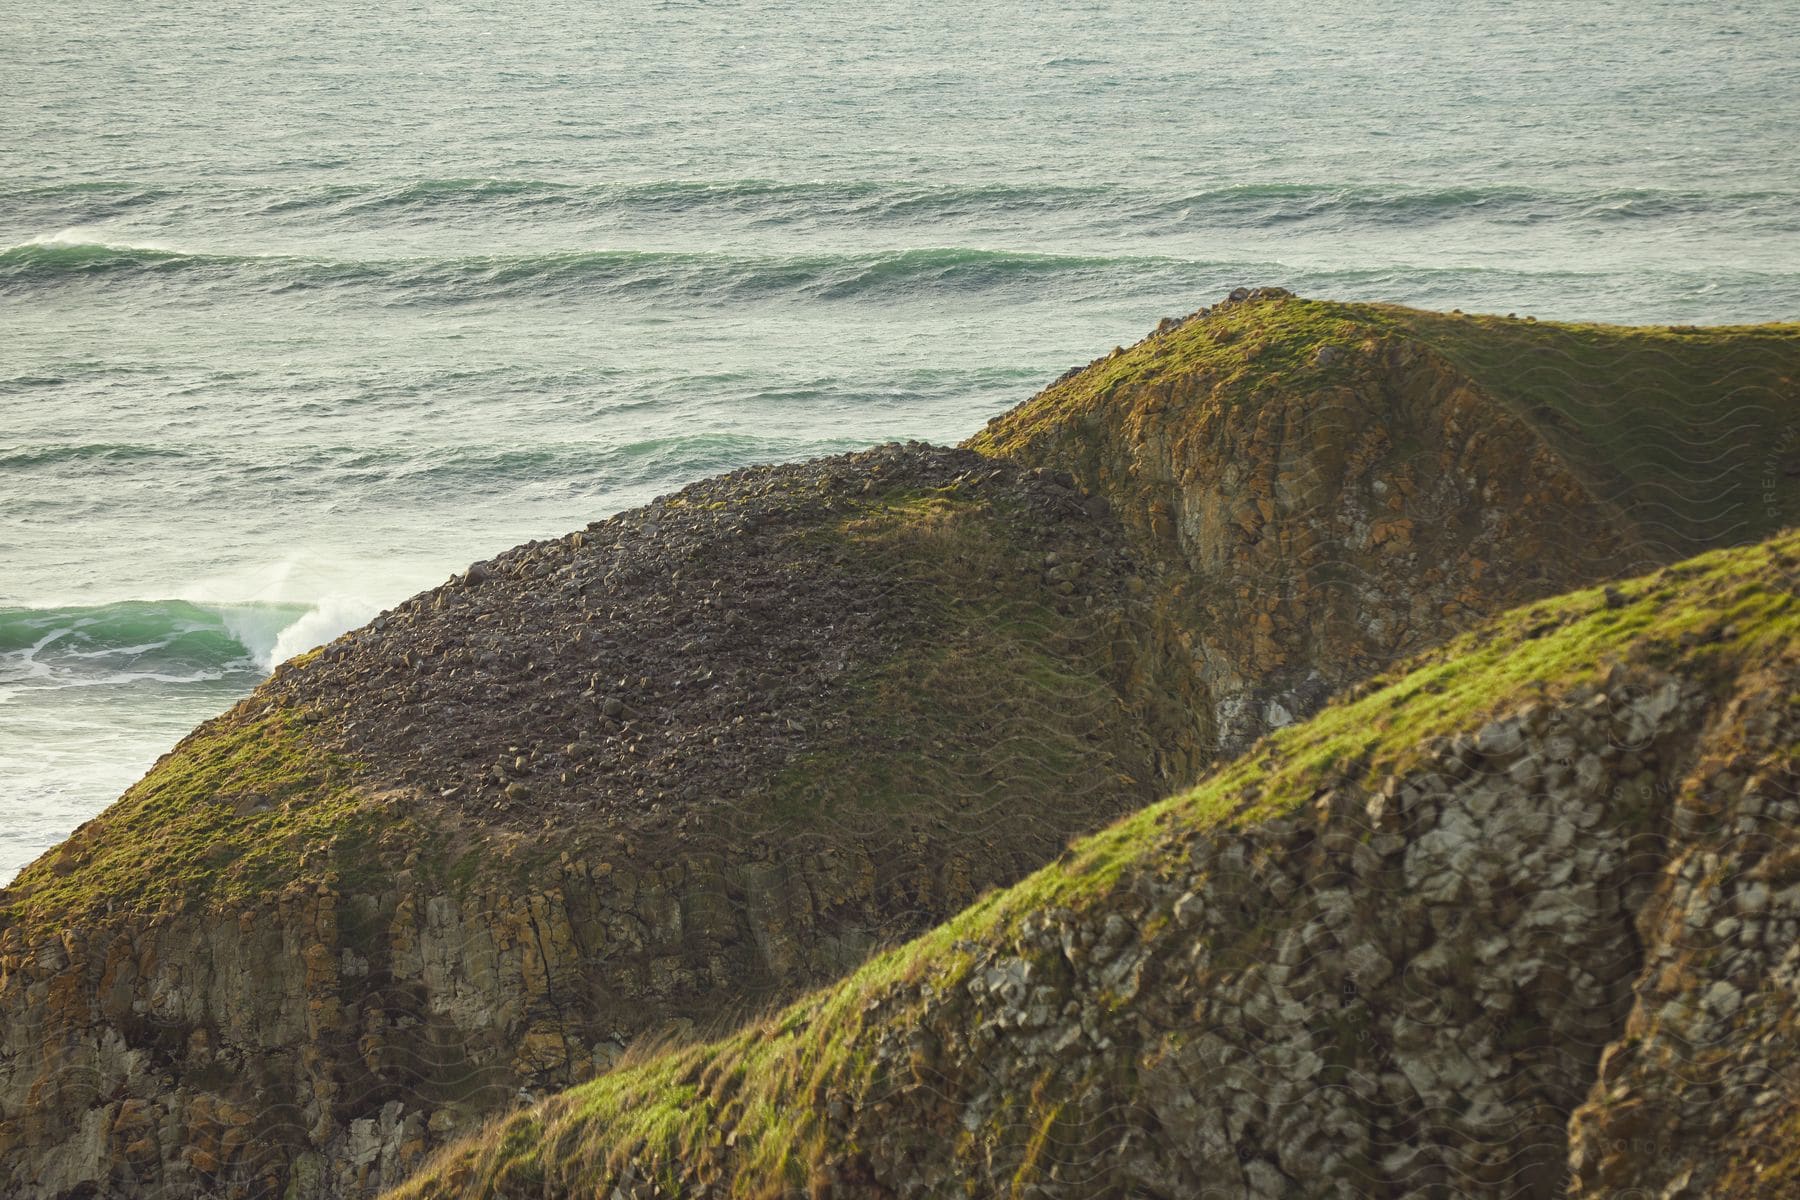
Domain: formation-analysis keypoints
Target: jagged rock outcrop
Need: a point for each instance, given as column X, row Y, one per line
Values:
column 1518, row 922
column 693, row 759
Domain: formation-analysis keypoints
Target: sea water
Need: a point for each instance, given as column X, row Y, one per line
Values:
column 305, row 306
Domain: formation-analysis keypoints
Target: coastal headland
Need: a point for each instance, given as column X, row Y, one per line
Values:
column 655, row 810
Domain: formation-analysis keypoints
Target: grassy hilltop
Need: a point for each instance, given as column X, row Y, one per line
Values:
column 1688, row 432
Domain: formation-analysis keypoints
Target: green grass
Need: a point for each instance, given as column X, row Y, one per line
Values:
column 1246, row 352
column 1695, row 430
column 767, row 1085
column 242, row 808
column 1692, row 432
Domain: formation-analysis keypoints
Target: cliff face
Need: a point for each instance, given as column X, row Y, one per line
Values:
column 684, row 763
column 1520, row 921
column 1329, row 487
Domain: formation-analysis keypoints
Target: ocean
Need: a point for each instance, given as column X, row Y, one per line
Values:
column 305, row 307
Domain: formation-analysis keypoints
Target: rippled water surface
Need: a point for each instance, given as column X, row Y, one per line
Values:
column 304, row 307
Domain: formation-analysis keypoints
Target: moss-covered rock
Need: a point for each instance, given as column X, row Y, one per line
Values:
column 1522, row 915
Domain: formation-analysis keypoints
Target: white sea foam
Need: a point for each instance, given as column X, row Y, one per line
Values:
column 325, row 621
column 94, row 235
column 335, row 602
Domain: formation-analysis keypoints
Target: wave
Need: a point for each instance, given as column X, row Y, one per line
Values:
column 699, row 280
column 869, row 201
column 162, row 641
column 767, row 200
column 582, row 467
column 624, row 274
column 51, row 258
column 1279, row 204
column 884, row 203
column 92, row 200
column 22, row 457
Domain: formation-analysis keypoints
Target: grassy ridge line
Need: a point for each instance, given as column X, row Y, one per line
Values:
column 764, row 1088
column 1693, row 431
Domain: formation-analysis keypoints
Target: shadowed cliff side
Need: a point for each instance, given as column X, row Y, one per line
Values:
column 1517, row 921
column 676, row 767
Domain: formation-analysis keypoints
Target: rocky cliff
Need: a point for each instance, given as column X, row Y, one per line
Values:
column 1328, row 487
column 680, row 765
column 1519, row 920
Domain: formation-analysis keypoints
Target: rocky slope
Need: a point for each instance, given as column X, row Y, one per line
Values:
column 695, row 758
column 665, row 769
column 1520, row 920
